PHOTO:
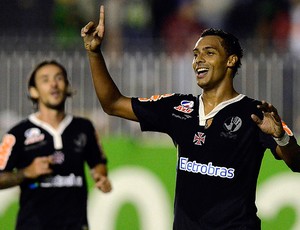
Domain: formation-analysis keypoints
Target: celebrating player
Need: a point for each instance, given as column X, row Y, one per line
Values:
column 45, row 155
column 221, row 135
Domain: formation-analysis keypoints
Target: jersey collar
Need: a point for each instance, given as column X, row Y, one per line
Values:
column 203, row 118
column 56, row 133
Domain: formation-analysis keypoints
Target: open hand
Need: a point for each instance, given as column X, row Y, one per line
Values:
column 271, row 122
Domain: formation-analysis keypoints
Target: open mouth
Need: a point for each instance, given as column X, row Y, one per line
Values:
column 201, row 72
column 55, row 94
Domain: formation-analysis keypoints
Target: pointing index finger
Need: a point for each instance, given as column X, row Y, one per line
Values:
column 101, row 16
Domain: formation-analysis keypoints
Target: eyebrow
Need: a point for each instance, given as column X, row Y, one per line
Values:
column 57, row 73
column 43, row 75
column 206, row 48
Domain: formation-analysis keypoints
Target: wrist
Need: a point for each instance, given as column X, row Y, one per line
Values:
column 19, row 175
column 282, row 141
column 94, row 53
column 25, row 173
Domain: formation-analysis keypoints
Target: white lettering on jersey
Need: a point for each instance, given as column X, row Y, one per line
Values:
column 62, row 181
column 205, row 169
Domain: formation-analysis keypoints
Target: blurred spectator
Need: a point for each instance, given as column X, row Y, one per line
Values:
column 26, row 17
column 137, row 23
column 242, row 19
column 281, row 26
column 161, row 10
column 265, row 21
column 273, row 24
column 61, row 19
column 69, row 16
column 212, row 13
column 181, row 29
column 130, row 22
column 295, row 28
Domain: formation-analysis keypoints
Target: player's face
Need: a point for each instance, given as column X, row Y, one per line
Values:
column 210, row 62
column 51, row 87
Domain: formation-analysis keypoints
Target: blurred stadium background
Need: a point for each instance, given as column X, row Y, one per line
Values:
column 148, row 48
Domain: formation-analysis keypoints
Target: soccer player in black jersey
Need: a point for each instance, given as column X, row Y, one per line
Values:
column 221, row 135
column 45, row 155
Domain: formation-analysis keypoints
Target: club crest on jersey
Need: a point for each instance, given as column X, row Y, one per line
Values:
column 199, row 138
column 58, row 157
column 33, row 135
column 231, row 125
column 185, row 106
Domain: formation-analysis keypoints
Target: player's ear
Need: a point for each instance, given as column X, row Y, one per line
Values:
column 33, row 93
column 70, row 91
column 232, row 60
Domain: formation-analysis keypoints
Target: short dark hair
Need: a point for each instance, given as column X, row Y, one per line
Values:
column 230, row 43
column 31, row 80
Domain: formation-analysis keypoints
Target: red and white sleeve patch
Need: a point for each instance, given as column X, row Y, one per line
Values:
column 287, row 129
column 6, row 146
column 155, row 97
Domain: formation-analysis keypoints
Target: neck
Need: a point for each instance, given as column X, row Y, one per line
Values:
column 212, row 98
column 51, row 116
column 216, row 98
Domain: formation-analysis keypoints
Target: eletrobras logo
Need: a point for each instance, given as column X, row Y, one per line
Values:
column 205, row 169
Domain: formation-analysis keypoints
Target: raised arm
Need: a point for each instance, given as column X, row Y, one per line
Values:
column 111, row 99
column 287, row 146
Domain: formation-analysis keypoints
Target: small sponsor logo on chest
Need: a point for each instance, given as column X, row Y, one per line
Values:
column 231, row 126
column 33, row 135
column 185, row 106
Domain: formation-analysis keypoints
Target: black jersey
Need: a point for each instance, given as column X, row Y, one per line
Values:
column 58, row 200
column 218, row 165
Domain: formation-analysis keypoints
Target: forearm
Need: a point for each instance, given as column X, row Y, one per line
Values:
column 99, row 170
column 99, row 173
column 111, row 99
column 106, row 90
column 290, row 154
column 11, row 179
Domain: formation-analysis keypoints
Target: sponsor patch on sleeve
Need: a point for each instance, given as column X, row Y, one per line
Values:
column 155, row 97
column 286, row 128
column 6, row 146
